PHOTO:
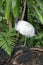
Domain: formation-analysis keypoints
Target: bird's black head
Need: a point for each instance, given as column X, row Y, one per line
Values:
column 17, row 19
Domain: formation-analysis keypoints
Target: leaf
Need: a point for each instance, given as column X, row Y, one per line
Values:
column 15, row 8
column 37, row 12
column 7, row 41
column 7, row 10
column 38, row 15
column 1, row 3
column 40, row 3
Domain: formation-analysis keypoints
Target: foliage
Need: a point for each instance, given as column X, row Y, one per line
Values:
column 12, row 6
column 7, row 10
column 7, row 41
column 7, row 37
column 34, row 16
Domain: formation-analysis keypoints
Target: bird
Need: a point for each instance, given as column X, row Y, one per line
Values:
column 25, row 28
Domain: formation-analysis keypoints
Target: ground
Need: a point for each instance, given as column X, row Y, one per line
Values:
column 23, row 56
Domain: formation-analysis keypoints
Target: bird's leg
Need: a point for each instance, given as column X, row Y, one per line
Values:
column 25, row 41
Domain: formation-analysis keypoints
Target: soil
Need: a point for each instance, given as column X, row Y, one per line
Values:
column 22, row 55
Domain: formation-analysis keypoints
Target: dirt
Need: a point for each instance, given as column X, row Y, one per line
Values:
column 3, row 57
column 25, row 56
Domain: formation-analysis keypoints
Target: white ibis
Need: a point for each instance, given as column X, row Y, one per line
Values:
column 25, row 28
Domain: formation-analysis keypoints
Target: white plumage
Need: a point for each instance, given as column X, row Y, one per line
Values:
column 25, row 28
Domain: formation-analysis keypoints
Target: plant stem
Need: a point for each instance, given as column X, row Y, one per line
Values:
column 23, row 13
column 10, row 23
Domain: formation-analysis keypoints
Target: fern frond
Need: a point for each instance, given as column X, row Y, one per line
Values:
column 7, row 41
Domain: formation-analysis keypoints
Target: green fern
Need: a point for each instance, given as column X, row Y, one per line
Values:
column 7, row 41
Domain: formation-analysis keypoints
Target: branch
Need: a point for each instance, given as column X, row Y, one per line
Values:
column 24, row 10
column 10, row 23
column 37, row 49
column 23, row 13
